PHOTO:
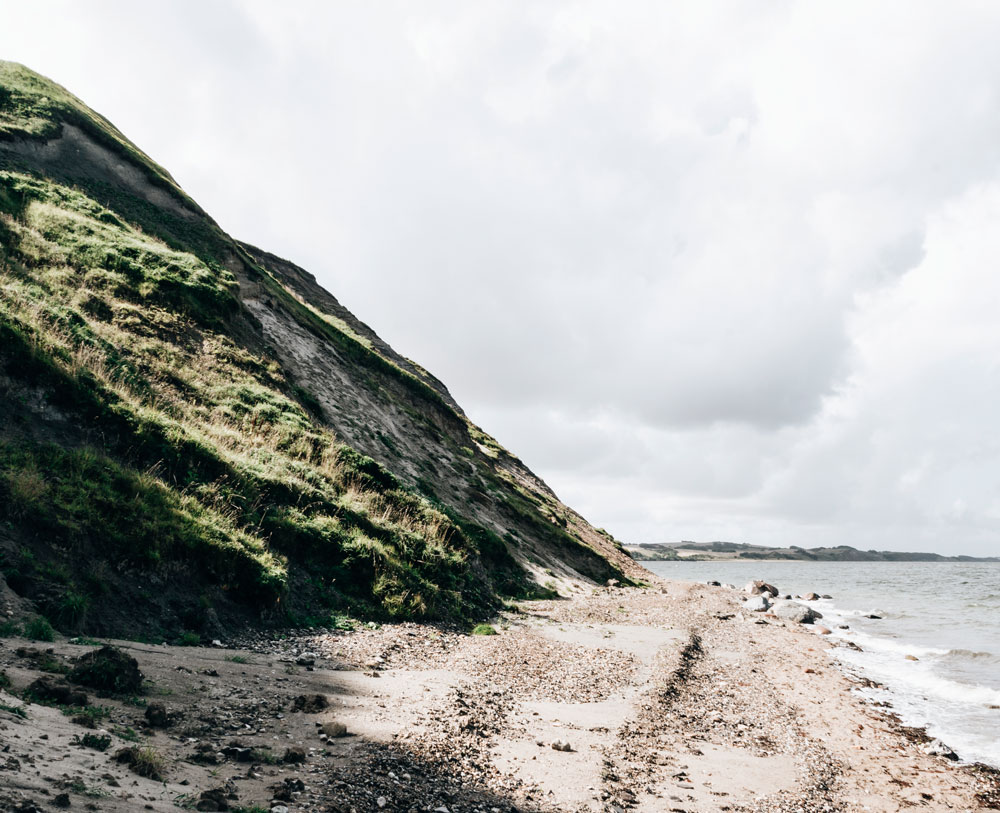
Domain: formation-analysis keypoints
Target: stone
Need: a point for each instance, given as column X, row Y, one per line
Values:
column 157, row 716
column 61, row 800
column 381, row 801
column 294, row 755
column 561, row 745
column 756, row 588
column 53, row 690
column 810, row 597
column 912, row 658
column 108, row 669
column 306, row 659
column 936, row 748
column 796, row 613
column 757, row 604
column 310, row 703
column 823, row 630
column 713, row 583
column 334, row 729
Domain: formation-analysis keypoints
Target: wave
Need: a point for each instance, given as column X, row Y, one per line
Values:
column 971, row 655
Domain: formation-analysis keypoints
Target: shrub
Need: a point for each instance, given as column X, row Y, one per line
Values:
column 484, row 629
column 38, row 628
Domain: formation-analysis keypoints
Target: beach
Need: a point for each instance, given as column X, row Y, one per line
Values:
column 671, row 697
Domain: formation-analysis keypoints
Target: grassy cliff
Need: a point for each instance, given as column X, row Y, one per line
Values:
column 193, row 434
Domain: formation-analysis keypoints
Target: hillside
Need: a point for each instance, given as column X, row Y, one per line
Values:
column 716, row 551
column 195, row 435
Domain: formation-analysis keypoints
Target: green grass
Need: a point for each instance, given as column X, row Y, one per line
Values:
column 200, row 456
column 484, row 629
column 38, row 628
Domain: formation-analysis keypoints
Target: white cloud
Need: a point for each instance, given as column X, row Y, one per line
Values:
column 715, row 271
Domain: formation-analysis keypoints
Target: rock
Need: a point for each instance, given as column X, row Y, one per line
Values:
column 53, row 690
column 310, row 703
column 213, row 799
column 613, row 583
column 157, row 716
column 729, row 586
column 381, row 801
column 823, row 630
column 217, row 643
column 712, row 583
column 61, row 800
column 294, row 755
column 912, row 658
column 796, row 613
column 810, row 597
column 826, row 595
column 279, row 809
column 756, row 588
column 306, row 659
column 108, row 669
column 936, row 748
column 757, row 604
column 334, row 729
column 872, row 615
column 561, row 745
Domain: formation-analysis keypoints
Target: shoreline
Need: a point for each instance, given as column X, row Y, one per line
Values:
column 668, row 698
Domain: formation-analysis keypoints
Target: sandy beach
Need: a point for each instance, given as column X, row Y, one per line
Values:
column 671, row 698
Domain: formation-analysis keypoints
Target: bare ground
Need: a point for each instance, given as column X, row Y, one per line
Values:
column 667, row 698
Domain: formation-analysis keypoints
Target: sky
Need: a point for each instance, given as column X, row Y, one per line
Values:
column 714, row 270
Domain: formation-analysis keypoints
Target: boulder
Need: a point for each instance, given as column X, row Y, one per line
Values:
column 561, row 745
column 334, row 729
column 52, row 690
column 757, row 604
column 796, row 613
column 811, row 597
column 108, row 669
column 157, row 716
column 756, row 588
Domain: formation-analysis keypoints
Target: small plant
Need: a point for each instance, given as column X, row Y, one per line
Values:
column 484, row 629
column 125, row 733
column 15, row 710
column 99, row 742
column 188, row 638
column 144, row 761
column 8, row 629
column 88, row 716
column 39, row 629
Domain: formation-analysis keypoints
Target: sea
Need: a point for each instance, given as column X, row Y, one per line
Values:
column 946, row 615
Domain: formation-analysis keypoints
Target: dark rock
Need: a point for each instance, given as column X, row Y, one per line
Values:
column 310, row 703
column 53, row 690
column 108, row 669
column 756, row 588
column 157, row 716
column 811, row 597
column 294, row 755
column 61, row 800
column 213, row 799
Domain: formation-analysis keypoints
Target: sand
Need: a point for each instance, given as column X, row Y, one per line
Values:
column 668, row 698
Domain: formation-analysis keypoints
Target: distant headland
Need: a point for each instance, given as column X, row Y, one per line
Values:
column 722, row 551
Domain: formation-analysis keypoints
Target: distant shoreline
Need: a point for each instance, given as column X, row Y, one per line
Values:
column 741, row 552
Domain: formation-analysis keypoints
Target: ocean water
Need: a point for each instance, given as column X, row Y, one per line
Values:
column 944, row 614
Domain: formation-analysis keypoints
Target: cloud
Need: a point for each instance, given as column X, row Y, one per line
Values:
column 697, row 264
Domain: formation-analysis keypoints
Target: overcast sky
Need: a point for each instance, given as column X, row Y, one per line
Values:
column 715, row 271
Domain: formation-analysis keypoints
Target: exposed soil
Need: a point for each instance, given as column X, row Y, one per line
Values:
column 668, row 698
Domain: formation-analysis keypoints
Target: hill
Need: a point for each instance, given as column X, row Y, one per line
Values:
column 716, row 551
column 195, row 435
